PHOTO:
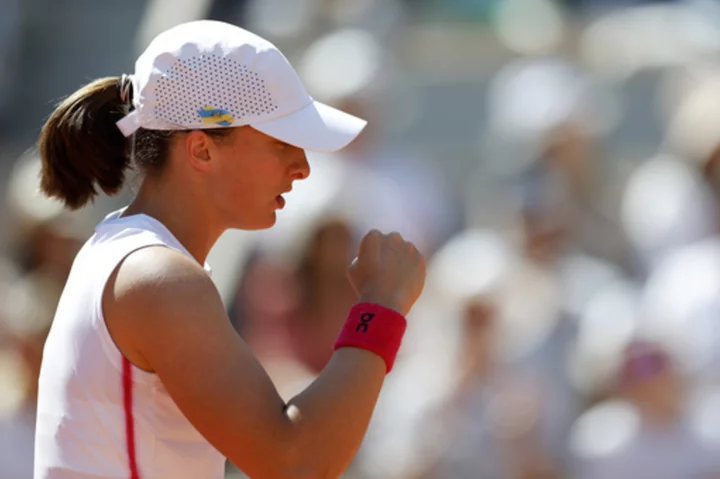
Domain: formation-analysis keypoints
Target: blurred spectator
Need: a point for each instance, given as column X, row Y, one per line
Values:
column 649, row 436
column 711, row 173
column 9, row 274
column 263, row 304
column 29, row 308
column 680, row 306
column 679, row 235
column 326, row 294
column 469, row 266
column 392, row 187
column 297, row 310
column 488, row 429
column 549, row 118
column 561, row 198
column 266, row 295
column 290, row 312
column 407, row 195
column 666, row 206
column 44, row 238
column 693, row 130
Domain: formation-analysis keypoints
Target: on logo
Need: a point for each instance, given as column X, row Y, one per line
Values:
column 364, row 322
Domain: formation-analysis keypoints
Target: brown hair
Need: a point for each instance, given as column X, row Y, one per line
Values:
column 82, row 148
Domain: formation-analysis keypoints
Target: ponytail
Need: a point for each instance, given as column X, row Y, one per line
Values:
column 82, row 148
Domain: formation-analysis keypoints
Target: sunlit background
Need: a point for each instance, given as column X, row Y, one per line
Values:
column 557, row 161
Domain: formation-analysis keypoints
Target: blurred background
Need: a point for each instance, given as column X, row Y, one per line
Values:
column 558, row 162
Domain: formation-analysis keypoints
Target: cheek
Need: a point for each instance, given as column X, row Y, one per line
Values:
column 249, row 180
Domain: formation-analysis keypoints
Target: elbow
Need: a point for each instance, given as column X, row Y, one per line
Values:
column 311, row 463
column 303, row 453
column 310, row 459
column 290, row 450
column 285, row 463
column 311, row 471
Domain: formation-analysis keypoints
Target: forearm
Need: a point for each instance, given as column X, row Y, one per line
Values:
column 329, row 418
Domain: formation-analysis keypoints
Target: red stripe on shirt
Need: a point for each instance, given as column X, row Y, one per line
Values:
column 129, row 420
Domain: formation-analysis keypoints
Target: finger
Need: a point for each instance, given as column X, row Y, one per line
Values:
column 413, row 248
column 396, row 239
column 369, row 243
column 353, row 263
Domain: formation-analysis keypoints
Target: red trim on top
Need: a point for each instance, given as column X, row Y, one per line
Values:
column 129, row 420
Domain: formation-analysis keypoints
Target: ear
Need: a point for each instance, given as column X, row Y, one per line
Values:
column 199, row 148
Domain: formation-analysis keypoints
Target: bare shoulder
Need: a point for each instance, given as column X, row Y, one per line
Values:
column 155, row 295
column 157, row 270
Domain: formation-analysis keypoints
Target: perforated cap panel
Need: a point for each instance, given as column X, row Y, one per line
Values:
column 208, row 74
column 211, row 89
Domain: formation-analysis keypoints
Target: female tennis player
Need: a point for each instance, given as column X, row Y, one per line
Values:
column 143, row 376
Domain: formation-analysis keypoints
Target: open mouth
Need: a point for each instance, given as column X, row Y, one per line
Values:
column 280, row 201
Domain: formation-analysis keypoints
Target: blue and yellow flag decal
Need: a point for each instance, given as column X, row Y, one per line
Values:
column 217, row 116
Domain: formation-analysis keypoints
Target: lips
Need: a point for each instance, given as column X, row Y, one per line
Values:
column 280, row 201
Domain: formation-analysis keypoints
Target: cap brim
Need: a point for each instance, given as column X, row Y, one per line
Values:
column 317, row 127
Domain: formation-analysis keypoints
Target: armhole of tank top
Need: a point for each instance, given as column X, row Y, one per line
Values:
column 113, row 353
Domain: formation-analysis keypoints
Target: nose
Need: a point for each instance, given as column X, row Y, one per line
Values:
column 300, row 167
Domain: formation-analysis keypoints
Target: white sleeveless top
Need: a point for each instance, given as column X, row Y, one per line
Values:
column 86, row 428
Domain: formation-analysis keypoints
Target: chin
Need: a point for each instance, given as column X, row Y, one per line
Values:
column 257, row 223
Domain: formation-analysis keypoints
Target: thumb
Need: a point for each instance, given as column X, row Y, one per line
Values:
column 352, row 274
column 354, row 265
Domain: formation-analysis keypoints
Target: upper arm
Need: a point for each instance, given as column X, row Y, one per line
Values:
column 163, row 308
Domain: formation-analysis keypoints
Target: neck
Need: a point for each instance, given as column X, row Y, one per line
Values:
column 181, row 212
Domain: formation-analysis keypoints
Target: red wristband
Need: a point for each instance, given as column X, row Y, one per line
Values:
column 375, row 328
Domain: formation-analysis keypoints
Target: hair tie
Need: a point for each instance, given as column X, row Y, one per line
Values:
column 125, row 86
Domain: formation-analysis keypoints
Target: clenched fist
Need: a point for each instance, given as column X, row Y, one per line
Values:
column 388, row 271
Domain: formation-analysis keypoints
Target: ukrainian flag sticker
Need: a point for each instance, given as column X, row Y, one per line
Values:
column 216, row 116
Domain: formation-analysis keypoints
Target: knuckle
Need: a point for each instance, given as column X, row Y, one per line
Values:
column 412, row 251
column 371, row 237
column 396, row 237
column 373, row 233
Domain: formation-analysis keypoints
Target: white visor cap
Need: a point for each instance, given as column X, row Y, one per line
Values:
column 209, row 74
